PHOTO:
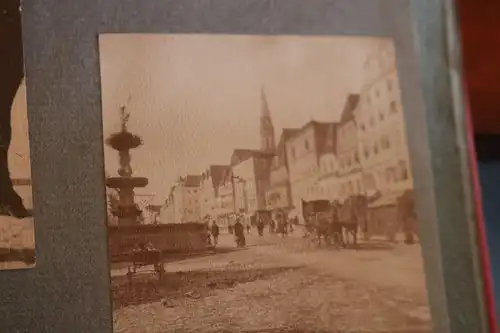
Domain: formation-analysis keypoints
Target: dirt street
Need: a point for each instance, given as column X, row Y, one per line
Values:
column 280, row 285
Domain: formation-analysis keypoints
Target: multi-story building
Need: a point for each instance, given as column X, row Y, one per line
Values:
column 225, row 198
column 251, row 181
column 183, row 204
column 384, row 152
column 251, row 167
column 209, row 187
column 350, row 175
column 328, row 164
column 279, row 194
column 303, row 152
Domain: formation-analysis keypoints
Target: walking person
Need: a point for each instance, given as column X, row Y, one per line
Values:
column 214, row 229
column 239, row 232
column 260, row 226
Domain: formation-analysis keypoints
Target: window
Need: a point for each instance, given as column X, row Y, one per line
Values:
column 393, row 107
column 388, row 175
column 306, row 144
column 372, row 121
column 384, row 142
column 367, row 152
column 403, row 170
column 389, row 85
column 356, row 157
column 377, row 93
column 381, row 116
column 362, row 127
column 375, row 149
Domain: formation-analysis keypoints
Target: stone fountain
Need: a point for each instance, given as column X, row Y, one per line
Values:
column 126, row 210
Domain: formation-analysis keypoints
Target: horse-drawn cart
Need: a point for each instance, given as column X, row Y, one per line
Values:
column 147, row 256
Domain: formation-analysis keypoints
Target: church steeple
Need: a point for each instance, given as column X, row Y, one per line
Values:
column 266, row 125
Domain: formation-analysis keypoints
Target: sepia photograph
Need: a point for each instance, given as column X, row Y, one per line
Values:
column 17, row 243
column 259, row 184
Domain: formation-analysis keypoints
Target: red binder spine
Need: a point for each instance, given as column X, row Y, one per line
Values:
column 485, row 258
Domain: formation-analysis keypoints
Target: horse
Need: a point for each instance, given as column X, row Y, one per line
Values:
column 336, row 229
column 353, row 213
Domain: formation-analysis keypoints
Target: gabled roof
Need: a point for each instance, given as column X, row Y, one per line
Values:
column 350, row 105
column 192, row 181
column 241, row 155
column 216, row 173
column 326, row 135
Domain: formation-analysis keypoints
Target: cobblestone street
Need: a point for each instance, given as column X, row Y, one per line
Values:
column 280, row 285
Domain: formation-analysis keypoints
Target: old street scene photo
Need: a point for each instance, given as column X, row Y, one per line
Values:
column 259, row 184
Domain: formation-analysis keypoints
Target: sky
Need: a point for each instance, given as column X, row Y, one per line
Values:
column 195, row 98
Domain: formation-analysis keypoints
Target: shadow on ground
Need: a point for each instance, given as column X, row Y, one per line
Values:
column 124, row 261
column 145, row 287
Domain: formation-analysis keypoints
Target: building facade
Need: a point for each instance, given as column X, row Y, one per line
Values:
column 183, row 204
column 303, row 152
column 209, row 187
column 381, row 126
column 251, row 181
column 383, row 148
column 279, row 194
column 225, row 199
column 350, row 172
column 328, row 164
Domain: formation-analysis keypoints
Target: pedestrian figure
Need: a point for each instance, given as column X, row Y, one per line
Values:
column 248, row 228
column 215, row 232
column 260, row 226
column 272, row 226
column 239, row 232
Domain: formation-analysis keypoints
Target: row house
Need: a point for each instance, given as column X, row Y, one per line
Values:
column 327, row 162
column 384, row 154
column 350, row 173
column 251, row 170
column 225, row 198
column 209, row 188
column 303, row 152
column 279, row 194
column 381, row 128
column 183, row 204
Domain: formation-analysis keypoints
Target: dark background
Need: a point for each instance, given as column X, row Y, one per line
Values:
column 480, row 30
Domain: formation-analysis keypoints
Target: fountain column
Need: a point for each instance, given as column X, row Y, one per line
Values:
column 127, row 211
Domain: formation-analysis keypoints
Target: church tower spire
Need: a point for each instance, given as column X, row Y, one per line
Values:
column 266, row 125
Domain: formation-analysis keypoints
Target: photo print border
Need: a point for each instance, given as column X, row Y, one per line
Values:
column 69, row 290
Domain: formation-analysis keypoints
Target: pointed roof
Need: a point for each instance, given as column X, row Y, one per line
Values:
column 192, row 181
column 265, row 111
column 217, row 173
column 350, row 105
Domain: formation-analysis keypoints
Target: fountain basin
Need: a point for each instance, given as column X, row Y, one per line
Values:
column 126, row 182
column 123, row 141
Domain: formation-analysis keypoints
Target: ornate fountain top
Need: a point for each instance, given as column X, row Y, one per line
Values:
column 124, row 117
